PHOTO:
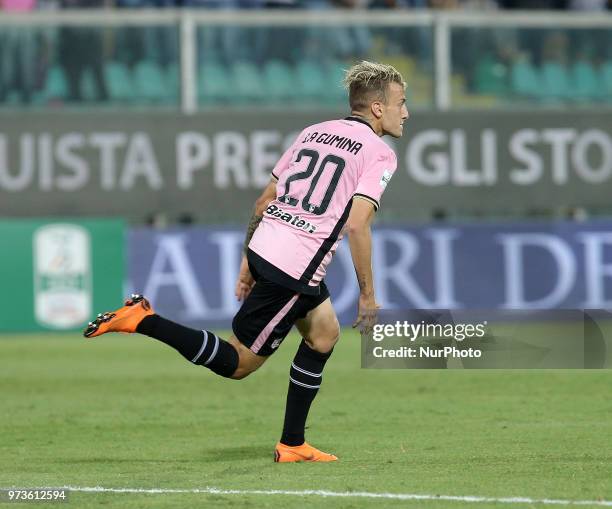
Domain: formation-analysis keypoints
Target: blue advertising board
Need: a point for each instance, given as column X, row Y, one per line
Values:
column 189, row 273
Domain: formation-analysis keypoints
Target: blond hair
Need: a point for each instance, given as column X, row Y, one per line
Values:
column 369, row 81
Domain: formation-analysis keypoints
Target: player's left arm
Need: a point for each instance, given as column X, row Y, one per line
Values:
column 245, row 279
column 360, row 242
column 366, row 201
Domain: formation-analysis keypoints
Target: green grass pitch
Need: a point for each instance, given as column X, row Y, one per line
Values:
column 130, row 412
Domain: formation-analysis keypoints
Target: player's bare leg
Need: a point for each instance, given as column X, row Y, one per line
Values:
column 248, row 362
column 320, row 329
column 230, row 359
column 320, row 332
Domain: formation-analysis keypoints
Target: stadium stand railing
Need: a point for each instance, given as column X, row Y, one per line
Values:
column 197, row 59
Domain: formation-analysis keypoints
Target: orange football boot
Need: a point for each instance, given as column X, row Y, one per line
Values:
column 305, row 452
column 124, row 319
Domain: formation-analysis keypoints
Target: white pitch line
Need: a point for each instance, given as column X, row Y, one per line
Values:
column 342, row 494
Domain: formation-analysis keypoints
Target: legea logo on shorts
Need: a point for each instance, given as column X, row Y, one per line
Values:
column 62, row 275
column 275, row 344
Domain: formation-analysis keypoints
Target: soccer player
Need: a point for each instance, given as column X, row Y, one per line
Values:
column 329, row 182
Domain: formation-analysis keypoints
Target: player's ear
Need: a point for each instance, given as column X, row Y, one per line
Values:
column 377, row 109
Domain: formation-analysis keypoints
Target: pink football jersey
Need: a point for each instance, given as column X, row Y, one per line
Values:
column 318, row 176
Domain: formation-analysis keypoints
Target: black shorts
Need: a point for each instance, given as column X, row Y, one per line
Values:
column 269, row 312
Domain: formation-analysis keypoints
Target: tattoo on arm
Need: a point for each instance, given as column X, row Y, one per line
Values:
column 361, row 281
column 253, row 224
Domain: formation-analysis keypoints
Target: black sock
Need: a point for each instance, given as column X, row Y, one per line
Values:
column 199, row 347
column 305, row 378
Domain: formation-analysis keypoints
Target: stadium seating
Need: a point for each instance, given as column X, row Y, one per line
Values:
column 606, row 79
column 88, row 86
column 214, row 84
column 580, row 83
column 556, row 82
column 56, row 86
column 279, row 81
column 586, row 83
column 525, row 80
column 310, row 80
column 335, row 93
column 248, row 83
column 173, row 80
column 491, row 77
column 13, row 98
column 150, row 84
column 119, row 82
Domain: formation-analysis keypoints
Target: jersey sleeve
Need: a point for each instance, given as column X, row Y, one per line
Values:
column 375, row 178
column 285, row 160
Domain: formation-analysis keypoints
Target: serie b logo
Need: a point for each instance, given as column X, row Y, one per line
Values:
column 62, row 275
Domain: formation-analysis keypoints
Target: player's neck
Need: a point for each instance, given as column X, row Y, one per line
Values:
column 372, row 121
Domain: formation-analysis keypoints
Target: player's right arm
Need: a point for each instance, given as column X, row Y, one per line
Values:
column 360, row 242
column 245, row 280
column 269, row 193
